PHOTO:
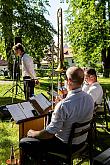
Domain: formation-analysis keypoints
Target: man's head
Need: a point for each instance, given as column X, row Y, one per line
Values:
column 75, row 77
column 90, row 76
column 18, row 49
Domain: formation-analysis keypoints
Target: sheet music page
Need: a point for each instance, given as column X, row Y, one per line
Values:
column 27, row 109
column 42, row 101
column 16, row 112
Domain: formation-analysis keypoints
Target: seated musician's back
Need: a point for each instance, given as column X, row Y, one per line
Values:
column 92, row 86
column 78, row 106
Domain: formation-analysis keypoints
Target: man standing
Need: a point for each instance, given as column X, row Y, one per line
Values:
column 92, row 86
column 78, row 106
column 28, row 72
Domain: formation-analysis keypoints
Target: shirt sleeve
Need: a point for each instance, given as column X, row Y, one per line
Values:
column 94, row 93
column 57, row 120
column 85, row 87
column 29, row 66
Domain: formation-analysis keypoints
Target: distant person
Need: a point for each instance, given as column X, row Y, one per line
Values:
column 92, row 86
column 28, row 72
column 5, row 72
column 78, row 106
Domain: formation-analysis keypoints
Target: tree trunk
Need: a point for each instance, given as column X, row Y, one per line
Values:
column 7, row 14
column 106, row 62
column 105, row 51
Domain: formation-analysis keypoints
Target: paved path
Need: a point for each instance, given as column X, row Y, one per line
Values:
column 5, row 82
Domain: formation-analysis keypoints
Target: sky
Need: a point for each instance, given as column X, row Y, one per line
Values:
column 55, row 5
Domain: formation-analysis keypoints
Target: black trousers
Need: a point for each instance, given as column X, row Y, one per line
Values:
column 29, row 85
column 37, row 149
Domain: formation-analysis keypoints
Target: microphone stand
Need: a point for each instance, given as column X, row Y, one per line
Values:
column 14, row 59
column 14, row 84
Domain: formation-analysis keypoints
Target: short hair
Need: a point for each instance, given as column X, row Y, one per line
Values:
column 18, row 46
column 76, row 74
column 91, row 72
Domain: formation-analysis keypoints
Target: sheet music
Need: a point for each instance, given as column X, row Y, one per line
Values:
column 42, row 101
column 16, row 112
column 27, row 109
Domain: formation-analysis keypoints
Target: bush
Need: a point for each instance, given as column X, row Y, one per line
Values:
column 43, row 72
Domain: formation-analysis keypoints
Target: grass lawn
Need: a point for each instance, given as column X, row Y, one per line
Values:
column 105, row 82
column 9, row 130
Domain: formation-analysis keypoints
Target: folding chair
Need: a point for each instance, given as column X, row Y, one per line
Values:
column 84, row 152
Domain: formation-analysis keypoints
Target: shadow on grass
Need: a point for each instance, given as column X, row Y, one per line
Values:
column 106, row 87
column 48, row 85
column 102, row 141
column 101, row 120
column 8, row 100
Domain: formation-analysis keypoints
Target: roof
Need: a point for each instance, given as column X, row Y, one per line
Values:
column 67, row 52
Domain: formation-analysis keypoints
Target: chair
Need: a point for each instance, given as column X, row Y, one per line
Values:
column 103, row 158
column 101, row 112
column 83, row 151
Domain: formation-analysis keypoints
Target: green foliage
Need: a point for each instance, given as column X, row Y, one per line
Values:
column 43, row 72
column 2, row 48
column 25, row 18
column 105, row 83
column 87, row 31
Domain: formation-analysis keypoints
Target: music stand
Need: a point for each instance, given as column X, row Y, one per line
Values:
column 14, row 84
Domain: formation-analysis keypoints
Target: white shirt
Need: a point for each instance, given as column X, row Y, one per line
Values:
column 85, row 87
column 96, row 91
column 28, row 66
column 78, row 106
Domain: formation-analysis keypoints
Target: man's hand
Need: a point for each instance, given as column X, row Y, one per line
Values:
column 57, row 99
column 32, row 133
column 43, row 134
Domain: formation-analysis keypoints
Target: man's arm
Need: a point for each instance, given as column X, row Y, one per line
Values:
column 55, row 125
column 43, row 134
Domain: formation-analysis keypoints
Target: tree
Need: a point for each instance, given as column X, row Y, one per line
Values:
column 25, row 18
column 88, row 32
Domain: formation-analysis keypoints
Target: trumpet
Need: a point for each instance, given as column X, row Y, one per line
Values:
column 60, row 67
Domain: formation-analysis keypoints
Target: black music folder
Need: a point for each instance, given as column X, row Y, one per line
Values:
column 41, row 103
column 35, row 107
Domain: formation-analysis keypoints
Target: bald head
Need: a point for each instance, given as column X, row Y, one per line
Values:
column 75, row 74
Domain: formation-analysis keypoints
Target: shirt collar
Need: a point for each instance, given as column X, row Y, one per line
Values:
column 22, row 55
column 74, row 91
column 95, row 83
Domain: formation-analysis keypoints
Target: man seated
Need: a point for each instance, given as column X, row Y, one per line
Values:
column 92, row 86
column 78, row 106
